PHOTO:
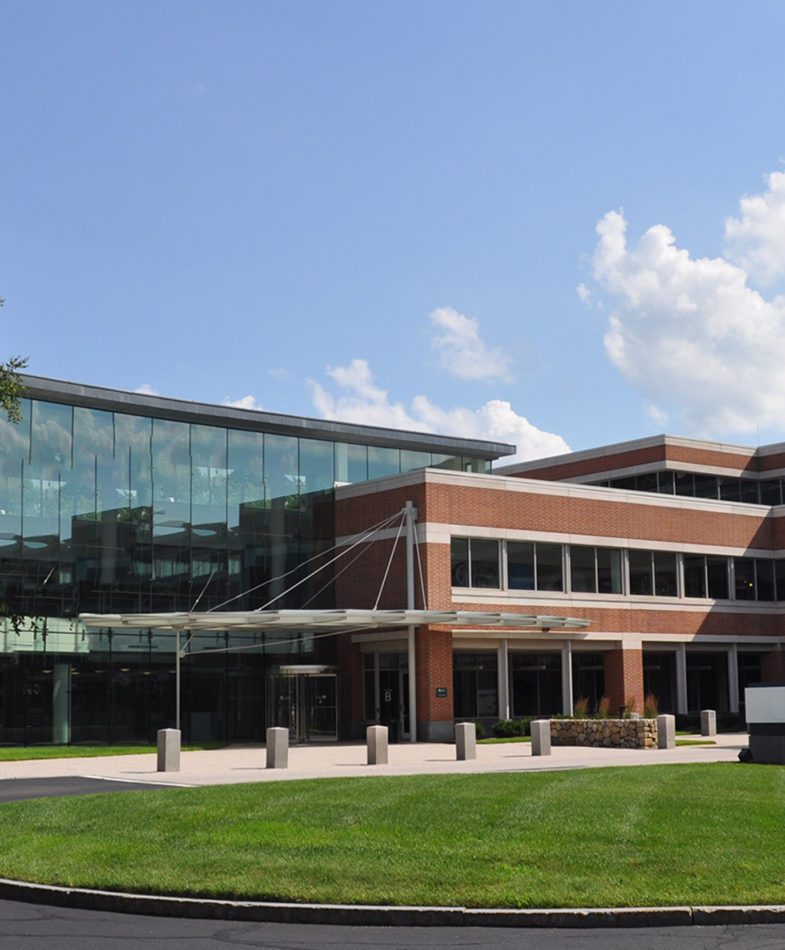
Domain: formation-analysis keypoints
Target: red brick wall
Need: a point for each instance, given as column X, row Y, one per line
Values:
column 434, row 669
column 624, row 679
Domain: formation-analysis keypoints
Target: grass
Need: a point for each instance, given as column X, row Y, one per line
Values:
column 652, row 835
column 496, row 741
column 695, row 742
column 21, row 753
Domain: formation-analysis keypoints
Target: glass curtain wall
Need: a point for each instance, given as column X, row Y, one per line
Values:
column 111, row 512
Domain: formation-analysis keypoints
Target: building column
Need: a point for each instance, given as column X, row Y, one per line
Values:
column 435, row 708
column 503, row 664
column 681, row 678
column 624, row 676
column 566, row 678
column 733, row 678
column 61, row 704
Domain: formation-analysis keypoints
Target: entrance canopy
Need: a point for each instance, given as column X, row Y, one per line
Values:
column 344, row 620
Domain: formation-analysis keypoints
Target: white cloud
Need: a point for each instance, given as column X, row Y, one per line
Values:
column 755, row 240
column 245, row 402
column 690, row 333
column 360, row 400
column 461, row 349
column 583, row 292
column 278, row 372
column 147, row 390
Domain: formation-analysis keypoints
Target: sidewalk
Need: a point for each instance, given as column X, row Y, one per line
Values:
column 247, row 763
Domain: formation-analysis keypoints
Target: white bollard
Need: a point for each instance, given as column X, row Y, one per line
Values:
column 377, row 738
column 465, row 741
column 277, row 747
column 708, row 722
column 541, row 736
column 169, row 750
column 666, row 732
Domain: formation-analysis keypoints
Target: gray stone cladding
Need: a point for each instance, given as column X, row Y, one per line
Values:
column 618, row 733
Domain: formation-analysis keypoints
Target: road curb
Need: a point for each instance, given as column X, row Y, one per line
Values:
column 372, row 915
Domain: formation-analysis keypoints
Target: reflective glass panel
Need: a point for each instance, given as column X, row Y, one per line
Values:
column 665, row 574
column 459, row 550
column 744, row 568
column 550, row 575
column 520, row 565
column 764, row 577
column 640, row 573
column 383, row 462
column 694, row 575
column 351, row 462
column 582, row 574
column 609, row 576
column 717, row 574
column 412, row 460
column 485, row 563
column 317, row 468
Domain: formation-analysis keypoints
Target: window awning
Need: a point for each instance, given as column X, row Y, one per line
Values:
column 340, row 619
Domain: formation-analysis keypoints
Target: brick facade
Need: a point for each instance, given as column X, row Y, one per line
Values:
column 451, row 503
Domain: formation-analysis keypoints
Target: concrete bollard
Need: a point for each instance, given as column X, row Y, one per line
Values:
column 169, row 750
column 666, row 732
column 465, row 741
column 708, row 722
column 277, row 739
column 541, row 736
column 377, row 737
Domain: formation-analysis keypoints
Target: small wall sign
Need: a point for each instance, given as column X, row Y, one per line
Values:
column 441, row 692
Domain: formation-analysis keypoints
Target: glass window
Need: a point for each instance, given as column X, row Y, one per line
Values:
column 744, row 568
column 317, row 468
column 549, row 567
column 281, row 477
column 50, row 444
column 412, row 460
column 629, row 483
column 779, row 575
column 694, row 575
column 480, row 466
column 245, row 477
column 351, row 462
column 133, row 439
column 684, row 484
column 647, row 482
column 770, row 492
column 665, row 574
column 730, row 489
column 640, row 573
column 485, row 563
column 764, row 576
column 459, row 551
column 717, row 575
column 520, row 565
column 582, row 573
column 452, row 462
column 383, row 462
column 705, row 486
column 748, row 490
column 609, row 575
column 665, row 484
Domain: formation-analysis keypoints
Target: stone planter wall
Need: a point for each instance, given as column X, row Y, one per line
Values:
column 610, row 733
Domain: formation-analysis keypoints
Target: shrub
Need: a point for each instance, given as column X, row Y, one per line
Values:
column 581, row 707
column 603, row 708
column 651, row 706
column 480, row 729
column 504, row 729
column 630, row 706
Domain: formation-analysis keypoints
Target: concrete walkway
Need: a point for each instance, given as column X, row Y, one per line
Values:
column 247, row 763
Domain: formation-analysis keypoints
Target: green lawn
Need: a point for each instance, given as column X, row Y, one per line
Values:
column 20, row 753
column 493, row 740
column 675, row 834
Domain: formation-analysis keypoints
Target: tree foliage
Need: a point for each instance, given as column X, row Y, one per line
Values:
column 11, row 387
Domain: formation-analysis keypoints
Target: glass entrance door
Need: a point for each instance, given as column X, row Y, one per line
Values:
column 304, row 701
column 390, row 692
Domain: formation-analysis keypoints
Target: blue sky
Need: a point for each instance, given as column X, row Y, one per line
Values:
column 383, row 211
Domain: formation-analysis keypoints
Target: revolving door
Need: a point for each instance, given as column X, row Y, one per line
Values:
column 304, row 700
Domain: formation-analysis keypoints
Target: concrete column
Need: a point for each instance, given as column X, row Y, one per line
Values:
column 566, row 678
column 465, row 741
column 277, row 740
column 169, row 750
column 681, row 678
column 666, row 732
column 708, row 722
column 541, row 737
column 733, row 678
column 61, row 704
column 376, row 738
column 503, row 663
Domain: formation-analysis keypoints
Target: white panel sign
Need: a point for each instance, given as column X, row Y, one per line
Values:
column 765, row 703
